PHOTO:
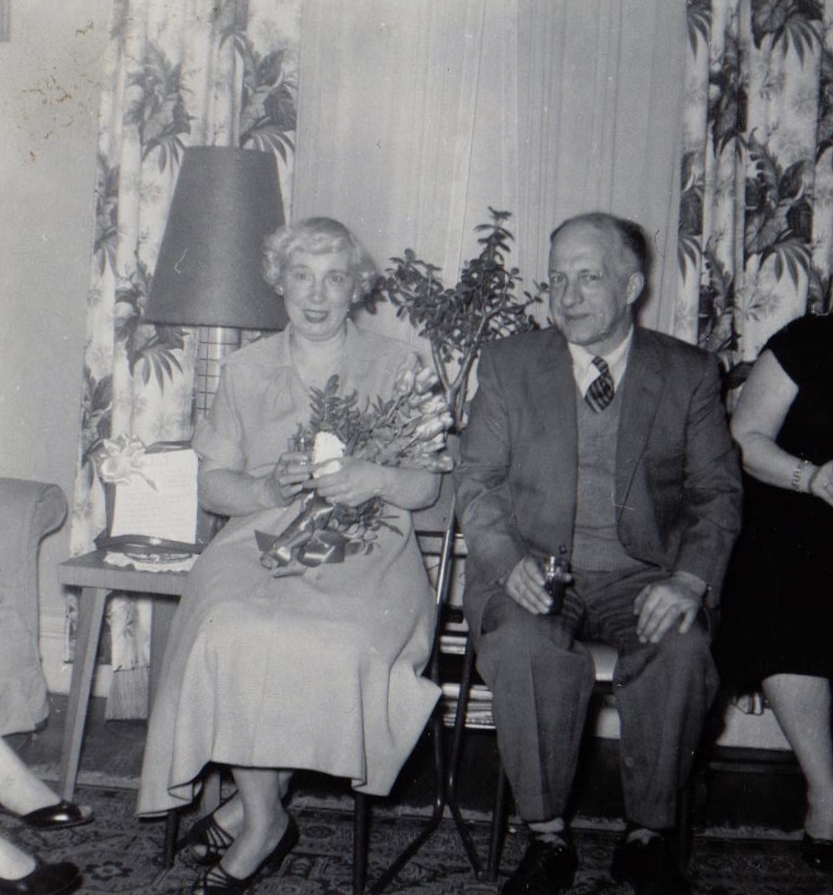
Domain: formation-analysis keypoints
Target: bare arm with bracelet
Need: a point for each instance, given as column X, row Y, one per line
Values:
column 763, row 406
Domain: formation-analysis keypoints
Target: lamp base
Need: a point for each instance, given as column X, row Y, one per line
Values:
column 215, row 343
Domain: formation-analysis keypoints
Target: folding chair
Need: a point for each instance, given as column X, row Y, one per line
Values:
column 438, row 537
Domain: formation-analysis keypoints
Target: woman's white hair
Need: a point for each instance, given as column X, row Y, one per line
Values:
column 319, row 236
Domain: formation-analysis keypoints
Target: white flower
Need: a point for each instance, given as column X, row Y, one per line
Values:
column 425, row 380
column 404, row 382
column 327, row 451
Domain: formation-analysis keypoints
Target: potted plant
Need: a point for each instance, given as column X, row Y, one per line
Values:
column 486, row 303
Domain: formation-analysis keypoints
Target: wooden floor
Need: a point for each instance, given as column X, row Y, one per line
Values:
column 767, row 793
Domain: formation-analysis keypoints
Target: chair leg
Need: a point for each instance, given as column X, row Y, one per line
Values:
column 687, row 805
column 431, row 825
column 466, row 678
column 685, row 823
column 171, row 835
column 361, row 841
column 498, row 824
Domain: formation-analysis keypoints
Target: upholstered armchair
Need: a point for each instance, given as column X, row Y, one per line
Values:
column 28, row 512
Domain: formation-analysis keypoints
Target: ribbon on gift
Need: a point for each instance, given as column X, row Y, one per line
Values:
column 306, row 539
column 323, row 547
column 121, row 459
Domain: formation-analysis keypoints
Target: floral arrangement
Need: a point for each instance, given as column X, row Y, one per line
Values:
column 487, row 302
column 407, row 430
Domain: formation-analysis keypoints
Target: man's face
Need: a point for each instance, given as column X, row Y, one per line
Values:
column 592, row 287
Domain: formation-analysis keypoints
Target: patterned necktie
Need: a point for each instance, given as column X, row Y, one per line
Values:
column 600, row 393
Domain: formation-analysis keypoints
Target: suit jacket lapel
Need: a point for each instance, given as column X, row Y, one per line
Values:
column 643, row 385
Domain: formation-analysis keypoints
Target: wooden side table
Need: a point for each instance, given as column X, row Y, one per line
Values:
column 97, row 580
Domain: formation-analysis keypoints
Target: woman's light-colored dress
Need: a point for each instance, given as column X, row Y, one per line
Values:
column 320, row 671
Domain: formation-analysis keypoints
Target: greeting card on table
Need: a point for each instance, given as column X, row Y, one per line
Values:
column 151, row 497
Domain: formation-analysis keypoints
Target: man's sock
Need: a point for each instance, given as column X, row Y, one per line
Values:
column 550, row 831
column 635, row 833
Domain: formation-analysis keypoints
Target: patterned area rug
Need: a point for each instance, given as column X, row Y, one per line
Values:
column 120, row 854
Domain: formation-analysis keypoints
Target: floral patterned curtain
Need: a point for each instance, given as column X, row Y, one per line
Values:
column 756, row 210
column 178, row 73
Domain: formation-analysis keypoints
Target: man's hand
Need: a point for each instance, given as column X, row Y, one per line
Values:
column 525, row 585
column 660, row 606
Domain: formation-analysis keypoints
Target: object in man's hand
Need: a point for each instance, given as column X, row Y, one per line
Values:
column 555, row 571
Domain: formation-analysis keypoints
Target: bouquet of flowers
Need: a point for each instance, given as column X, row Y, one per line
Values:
column 407, row 430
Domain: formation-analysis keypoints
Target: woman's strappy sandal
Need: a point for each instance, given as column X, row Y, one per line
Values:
column 210, row 838
column 218, row 881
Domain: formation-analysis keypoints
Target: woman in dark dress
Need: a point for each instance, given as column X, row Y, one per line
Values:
column 778, row 595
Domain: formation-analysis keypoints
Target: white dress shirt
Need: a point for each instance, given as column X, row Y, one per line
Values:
column 585, row 372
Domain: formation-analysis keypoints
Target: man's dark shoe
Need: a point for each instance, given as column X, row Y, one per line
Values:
column 546, row 868
column 818, row 853
column 648, row 867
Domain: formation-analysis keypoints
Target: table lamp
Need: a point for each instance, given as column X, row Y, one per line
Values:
column 209, row 272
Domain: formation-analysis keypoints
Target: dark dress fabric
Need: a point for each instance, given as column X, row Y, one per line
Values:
column 777, row 608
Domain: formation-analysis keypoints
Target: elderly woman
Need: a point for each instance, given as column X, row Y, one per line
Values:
column 319, row 670
column 777, row 606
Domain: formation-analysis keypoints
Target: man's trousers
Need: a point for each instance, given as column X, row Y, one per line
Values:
column 542, row 676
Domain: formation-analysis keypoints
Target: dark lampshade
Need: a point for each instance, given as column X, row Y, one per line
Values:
column 210, row 269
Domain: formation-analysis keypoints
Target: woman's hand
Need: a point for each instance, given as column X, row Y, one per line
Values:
column 289, row 477
column 353, row 483
column 821, row 483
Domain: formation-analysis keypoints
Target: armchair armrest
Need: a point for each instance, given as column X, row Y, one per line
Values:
column 29, row 511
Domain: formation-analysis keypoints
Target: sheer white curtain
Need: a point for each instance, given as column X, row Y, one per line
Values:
column 416, row 115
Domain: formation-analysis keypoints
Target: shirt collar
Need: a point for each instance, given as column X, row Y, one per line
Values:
column 584, row 370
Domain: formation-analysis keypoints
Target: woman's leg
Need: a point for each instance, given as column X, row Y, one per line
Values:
column 14, row 863
column 21, row 791
column 802, row 706
column 229, row 815
column 256, row 817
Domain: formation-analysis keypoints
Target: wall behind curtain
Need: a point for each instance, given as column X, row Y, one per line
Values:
column 416, row 116
column 50, row 85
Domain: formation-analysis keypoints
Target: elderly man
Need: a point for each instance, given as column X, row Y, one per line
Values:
column 607, row 443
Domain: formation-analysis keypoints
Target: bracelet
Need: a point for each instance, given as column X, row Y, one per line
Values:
column 797, row 474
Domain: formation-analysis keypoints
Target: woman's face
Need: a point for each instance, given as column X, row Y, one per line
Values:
column 318, row 290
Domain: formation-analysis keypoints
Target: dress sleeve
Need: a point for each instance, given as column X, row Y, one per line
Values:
column 218, row 437
column 800, row 346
